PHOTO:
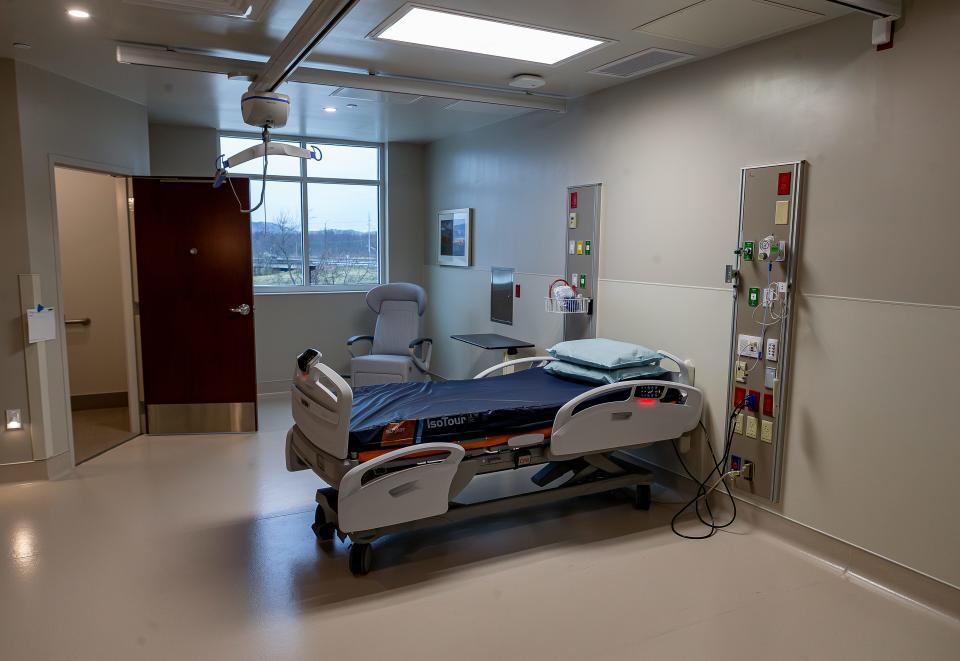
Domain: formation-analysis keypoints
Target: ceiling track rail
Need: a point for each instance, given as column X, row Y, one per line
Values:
column 320, row 17
column 885, row 12
column 200, row 62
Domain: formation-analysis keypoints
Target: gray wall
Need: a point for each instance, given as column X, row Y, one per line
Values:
column 94, row 130
column 871, row 453
column 183, row 151
column 14, row 445
column 288, row 323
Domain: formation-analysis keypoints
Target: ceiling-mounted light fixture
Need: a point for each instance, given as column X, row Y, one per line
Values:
column 76, row 12
column 485, row 36
column 329, row 109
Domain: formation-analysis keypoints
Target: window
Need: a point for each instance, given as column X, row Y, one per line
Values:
column 328, row 210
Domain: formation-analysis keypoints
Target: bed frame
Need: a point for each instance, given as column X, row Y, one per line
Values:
column 416, row 486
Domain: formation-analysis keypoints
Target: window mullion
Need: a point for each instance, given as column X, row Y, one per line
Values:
column 304, row 223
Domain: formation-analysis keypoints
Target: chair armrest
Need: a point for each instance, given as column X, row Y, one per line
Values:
column 422, row 361
column 358, row 338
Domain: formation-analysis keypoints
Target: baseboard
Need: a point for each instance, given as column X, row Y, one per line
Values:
column 53, row 468
column 99, row 400
column 855, row 562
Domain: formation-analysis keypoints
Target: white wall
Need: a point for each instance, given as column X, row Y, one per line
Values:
column 871, row 453
column 91, row 271
column 66, row 122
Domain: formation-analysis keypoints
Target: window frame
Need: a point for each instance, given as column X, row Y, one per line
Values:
column 304, row 180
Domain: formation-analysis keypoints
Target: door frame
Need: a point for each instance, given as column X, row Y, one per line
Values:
column 121, row 176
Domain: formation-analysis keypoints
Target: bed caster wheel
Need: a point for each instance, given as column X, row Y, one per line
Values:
column 322, row 528
column 361, row 559
column 641, row 497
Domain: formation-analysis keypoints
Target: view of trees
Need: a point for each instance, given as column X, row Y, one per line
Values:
column 336, row 256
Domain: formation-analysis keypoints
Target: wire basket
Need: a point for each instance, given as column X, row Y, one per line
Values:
column 576, row 305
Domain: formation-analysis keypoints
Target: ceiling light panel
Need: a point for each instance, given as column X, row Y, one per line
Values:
column 425, row 26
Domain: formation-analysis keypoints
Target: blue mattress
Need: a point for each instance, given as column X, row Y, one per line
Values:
column 398, row 414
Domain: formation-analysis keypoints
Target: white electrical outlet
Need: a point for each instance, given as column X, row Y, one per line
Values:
column 738, row 425
column 782, row 287
column 773, row 349
column 741, row 371
column 751, row 427
column 766, row 431
column 749, row 346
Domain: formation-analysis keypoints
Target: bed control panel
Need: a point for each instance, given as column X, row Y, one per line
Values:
column 763, row 277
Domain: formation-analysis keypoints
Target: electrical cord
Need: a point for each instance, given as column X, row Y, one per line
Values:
column 719, row 467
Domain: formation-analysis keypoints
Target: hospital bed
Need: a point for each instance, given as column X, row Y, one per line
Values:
column 397, row 456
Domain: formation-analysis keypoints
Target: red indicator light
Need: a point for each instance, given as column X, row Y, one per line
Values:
column 739, row 394
column 768, row 404
column 646, row 401
column 783, row 183
column 573, row 199
column 755, row 403
column 517, row 290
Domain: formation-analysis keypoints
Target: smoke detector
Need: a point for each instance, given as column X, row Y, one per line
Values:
column 527, row 81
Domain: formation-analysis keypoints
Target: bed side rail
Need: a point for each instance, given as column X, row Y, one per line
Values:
column 509, row 365
column 685, row 367
column 414, row 492
column 636, row 420
column 322, row 402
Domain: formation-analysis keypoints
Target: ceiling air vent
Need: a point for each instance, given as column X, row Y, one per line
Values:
column 645, row 61
column 249, row 9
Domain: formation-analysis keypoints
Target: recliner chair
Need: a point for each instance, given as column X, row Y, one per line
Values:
column 394, row 345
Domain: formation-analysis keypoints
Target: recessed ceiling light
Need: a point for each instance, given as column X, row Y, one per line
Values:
column 329, row 109
column 78, row 13
column 486, row 36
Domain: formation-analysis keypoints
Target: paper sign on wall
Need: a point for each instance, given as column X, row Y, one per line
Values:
column 41, row 325
column 782, row 216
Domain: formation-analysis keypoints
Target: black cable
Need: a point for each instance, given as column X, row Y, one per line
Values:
column 719, row 467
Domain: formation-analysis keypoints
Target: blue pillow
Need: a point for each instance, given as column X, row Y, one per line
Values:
column 604, row 354
column 592, row 375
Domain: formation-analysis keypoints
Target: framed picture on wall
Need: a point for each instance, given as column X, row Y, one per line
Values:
column 456, row 242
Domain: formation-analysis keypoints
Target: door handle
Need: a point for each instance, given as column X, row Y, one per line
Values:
column 243, row 309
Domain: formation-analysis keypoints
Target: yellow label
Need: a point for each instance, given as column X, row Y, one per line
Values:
column 782, row 216
column 579, row 247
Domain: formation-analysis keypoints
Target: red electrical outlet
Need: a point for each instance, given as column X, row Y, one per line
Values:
column 768, row 404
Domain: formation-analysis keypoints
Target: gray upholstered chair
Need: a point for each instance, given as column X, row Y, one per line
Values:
column 397, row 352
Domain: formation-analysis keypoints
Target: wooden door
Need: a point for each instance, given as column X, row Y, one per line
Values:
column 195, row 295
